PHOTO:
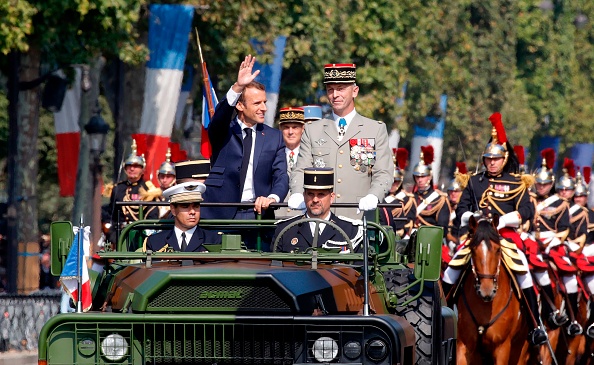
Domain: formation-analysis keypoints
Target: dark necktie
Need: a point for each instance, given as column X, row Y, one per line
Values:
column 184, row 244
column 247, row 150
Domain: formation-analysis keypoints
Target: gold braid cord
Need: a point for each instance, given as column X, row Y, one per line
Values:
column 429, row 212
column 528, row 180
column 493, row 200
column 107, row 190
column 462, row 180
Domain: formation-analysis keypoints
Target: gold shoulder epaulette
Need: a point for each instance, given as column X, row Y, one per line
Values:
column 107, row 189
column 462, row 180
column 528, row 180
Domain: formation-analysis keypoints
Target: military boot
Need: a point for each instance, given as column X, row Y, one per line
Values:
column 537, row 336
column 553, row 316
column 590, row 330
column 574, row 328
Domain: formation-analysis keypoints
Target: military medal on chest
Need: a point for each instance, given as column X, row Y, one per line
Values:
column 362, row 154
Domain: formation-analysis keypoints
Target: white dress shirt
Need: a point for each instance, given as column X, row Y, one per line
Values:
column 348, row 118
column 189, row 234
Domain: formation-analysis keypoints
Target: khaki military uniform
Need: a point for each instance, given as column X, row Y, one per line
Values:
column 362, row 160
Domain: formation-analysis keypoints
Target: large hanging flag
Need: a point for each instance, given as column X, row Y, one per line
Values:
column 68, row 136
column 169, row 30
column 431, row 134
column 76, row 267
column 270, row 75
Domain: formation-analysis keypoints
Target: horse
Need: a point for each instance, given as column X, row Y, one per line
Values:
column 489, row 310
column 572, row 349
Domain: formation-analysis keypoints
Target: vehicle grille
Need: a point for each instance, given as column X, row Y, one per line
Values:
column 221, row 343
column 186, row 297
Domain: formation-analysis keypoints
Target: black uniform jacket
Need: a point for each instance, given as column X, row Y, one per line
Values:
column 300, row 236
column 157, row 241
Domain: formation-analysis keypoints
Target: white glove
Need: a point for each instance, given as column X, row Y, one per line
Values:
column 512, row 219
column 296, row 201
column 389, row 199
column 368, row 202
column 465, row 218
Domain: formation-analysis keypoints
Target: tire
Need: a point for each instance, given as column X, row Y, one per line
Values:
column 421, row 313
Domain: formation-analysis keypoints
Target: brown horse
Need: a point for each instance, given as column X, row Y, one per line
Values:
column 490, row 323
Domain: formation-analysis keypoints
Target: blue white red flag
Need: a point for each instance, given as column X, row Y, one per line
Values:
column 205, row 146
column 76, row 266
column 168, row 36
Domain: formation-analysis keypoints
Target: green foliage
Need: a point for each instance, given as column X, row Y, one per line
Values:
column 15, row 25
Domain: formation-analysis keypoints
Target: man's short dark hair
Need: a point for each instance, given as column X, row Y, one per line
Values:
column 251, row 85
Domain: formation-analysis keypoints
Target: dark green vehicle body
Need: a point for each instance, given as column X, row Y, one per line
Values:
column 231, row 306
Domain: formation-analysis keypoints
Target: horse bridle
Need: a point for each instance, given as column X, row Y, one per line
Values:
column 478, row 276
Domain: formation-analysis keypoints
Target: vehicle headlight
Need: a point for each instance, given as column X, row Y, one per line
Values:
column 325, row 349
column 352, row 350
column 376, row 350
column 114, row 347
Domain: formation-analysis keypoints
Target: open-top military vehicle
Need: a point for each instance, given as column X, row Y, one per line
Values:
column 233, row 306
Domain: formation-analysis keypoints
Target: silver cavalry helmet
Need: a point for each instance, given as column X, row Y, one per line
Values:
column 134, row 158
column 167, row 167
column 544, row 174
column 581, row 189
column 567, row 182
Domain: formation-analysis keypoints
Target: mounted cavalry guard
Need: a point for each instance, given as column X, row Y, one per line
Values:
column 354, row 146
column 582, row 234
column 402, row 227
column 319, row 195
column 499, row 190
column 431, row 205
column 454, row 191
column 546, row 239
column 133, row 188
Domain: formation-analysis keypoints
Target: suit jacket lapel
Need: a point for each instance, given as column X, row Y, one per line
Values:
column 236, row 130
column 196, row 241
column 305, row 232
column 328, row 232
column 259, row 138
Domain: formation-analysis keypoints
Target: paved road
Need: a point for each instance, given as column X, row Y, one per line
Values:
column 18, row 358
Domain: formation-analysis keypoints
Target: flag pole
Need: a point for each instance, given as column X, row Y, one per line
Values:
column 79, row 266
column 205, row 81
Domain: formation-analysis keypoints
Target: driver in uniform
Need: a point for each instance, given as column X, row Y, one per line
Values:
column 499, row 190
column 318, row 184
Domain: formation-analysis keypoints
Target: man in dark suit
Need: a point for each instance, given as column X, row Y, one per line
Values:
column 186, row 235
column 248, row 157
column 318, row 196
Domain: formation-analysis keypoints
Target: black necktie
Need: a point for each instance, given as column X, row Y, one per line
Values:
column 184, row 244
column 245, row 161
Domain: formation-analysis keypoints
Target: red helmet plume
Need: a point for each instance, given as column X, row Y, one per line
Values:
column 519, row 150
column 401, row 158
column 461, row 166
column 427, row 154
column 141, row 144
column 569, row 166
column 548, row 154
column 587, row 172
column 495, row 119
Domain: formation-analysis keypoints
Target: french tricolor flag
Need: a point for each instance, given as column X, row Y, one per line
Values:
column 68, row 137
column 76, row 266
column 169, row 33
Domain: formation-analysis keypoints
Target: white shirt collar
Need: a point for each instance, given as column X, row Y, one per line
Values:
column 348, row 118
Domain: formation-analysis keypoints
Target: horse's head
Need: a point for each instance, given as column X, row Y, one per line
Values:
column 486, row 255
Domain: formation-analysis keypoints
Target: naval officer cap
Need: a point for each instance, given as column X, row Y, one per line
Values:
column 188, row 192
column 319, row 178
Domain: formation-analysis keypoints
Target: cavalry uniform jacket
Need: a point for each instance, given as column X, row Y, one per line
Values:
column 126, row 191
column 361, row 160
column 404, row 216
column 551, row 219
column 578, row 229
column 499, row 194
column 432, row 208
column 300, row 236
column 166, row 239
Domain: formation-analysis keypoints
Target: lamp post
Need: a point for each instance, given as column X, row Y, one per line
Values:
column 97, row 130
